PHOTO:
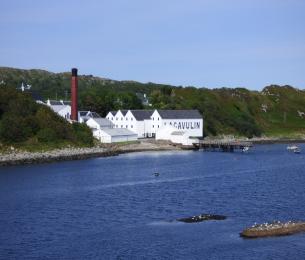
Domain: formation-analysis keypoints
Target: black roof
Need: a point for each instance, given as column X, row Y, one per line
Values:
column 124, row 112
column 142, row 114
column 83, row 113
column 95, row 115
column 179, row 114
column 67, row 103
column 113, row 112
column 55, row 103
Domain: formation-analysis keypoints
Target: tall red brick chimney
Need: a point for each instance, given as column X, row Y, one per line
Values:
column 74, row 83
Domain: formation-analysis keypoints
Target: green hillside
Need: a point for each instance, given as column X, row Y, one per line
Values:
column 26, row 124
column 274, row 111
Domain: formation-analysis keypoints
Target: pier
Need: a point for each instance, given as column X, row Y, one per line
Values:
column 223, row 146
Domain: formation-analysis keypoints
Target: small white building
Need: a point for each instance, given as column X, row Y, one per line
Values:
column 170, row 133
column 99, row 123
column 84, row 116
column 62, row 108
column 114, row 135
column 103, row 130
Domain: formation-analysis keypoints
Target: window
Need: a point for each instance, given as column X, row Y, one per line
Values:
column 121, row 118
column 153, row 119
column 131, row 126
column 116, row 119
column 121, row 126
column 153, row 126
column 126, row 126
column 164, row 123
column 111, row 118
column 158, row 126
column 126, row 118
column 158, row 118
column 131, row 119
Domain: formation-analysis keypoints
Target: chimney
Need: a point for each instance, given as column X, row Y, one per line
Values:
column 74, row 83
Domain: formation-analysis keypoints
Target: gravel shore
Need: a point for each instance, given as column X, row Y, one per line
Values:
column 21, row 157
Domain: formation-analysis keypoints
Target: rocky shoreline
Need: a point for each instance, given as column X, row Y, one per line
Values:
column 21, row 157
column 16, row 157
column 259, row 140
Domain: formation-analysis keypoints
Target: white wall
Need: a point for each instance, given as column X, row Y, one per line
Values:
column 110, row 117
column 106, row 138
column 193, row 127
column 62, row 110
column 93, row 124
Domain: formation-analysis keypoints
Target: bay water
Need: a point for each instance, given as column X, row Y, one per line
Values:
column 116, row 208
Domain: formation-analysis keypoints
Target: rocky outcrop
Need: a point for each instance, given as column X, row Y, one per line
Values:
column 273, row 229
column 202, row 217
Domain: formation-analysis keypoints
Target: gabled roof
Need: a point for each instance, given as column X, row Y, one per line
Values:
column 67, row 103
column 179, row 114
column 124, row 112
column 140, row 115
column 113, row 112
column 95, row 115
column 118, row 131
column 103, row 122
column 58, row 108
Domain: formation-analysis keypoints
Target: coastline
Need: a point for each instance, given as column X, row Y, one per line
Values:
column 69, row 154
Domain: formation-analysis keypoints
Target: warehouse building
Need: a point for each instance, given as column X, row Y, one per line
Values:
column 146, row 123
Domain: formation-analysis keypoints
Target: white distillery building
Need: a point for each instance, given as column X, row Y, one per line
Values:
column 137, row 121
column 84, row 116
column 62, row 108
column 146, row 123
column 103, row 130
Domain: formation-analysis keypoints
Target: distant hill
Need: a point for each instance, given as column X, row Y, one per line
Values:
column 274, row 111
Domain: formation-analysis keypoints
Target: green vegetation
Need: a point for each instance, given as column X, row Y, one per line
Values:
column 274, row 111
column 26, row 124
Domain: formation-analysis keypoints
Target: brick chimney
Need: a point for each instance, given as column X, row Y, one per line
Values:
column 74, row 83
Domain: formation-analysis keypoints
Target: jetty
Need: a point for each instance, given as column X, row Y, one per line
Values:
column 275, row 228
column 223, row 146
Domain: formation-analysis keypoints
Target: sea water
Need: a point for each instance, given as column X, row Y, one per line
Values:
column 116, row 208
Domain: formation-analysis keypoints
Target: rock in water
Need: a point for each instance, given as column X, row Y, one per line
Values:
column 275, row 228
column 202, row 217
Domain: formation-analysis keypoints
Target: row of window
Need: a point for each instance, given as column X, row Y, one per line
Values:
column 118, row 118
column 117, row 126
column 154, row 119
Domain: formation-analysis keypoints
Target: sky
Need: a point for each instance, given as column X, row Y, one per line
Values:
column 201, row 43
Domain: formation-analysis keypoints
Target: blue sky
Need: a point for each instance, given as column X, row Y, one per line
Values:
column 203, row 43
